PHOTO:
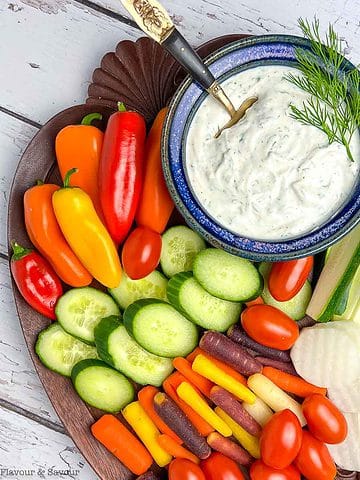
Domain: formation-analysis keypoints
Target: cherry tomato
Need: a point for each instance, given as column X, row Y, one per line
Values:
column 324, row 420
column 260, row 471
column 270, row 326
column 314, row 460
column 280, row 439
column 141, row 252
column 219, row 467
column 183, row 469
column 286, row 279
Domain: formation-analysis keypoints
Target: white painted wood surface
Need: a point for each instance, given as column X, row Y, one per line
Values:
column 48, row 49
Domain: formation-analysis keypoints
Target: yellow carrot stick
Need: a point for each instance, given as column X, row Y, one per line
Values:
column 209, row 370
column 249, row 442
column 274, row 397
column 190, row 396
column 146, row 430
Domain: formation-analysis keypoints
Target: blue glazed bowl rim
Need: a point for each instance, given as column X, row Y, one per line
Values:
column 197, row 218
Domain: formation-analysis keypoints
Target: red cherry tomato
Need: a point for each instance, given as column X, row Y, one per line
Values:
column 286, row 279
column 280, row 439
column 141, row 252
column 219, row 467
column 183, row 469
column 270, row 326
column 260, row 471
column 324, row 420
column 314, row 460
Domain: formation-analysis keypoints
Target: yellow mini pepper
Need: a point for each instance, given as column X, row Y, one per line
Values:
column 249, row 442
column 146, row 430
column 86, row 234
column 190, row 396
column 209, row 370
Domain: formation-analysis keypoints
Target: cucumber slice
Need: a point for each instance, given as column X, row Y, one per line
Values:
column 180, row 246
column 59, row 351
column 202, row 308
column 79, row 310
column 227, row 276
column 101, row 386
column 337, row 274
column 160, row 328
column 294, row 308
column 117, row 348
column 151, row 286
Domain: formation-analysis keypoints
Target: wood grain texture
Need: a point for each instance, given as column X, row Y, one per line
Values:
column 14, row 136
column 49, row 49
column 43, row 453
column 68, row 38
column 52, row 71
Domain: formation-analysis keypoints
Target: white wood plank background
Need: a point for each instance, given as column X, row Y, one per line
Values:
column 48, row 49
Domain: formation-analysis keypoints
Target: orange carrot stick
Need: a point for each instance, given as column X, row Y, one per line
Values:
column 184, row 367
column 291, row 383
column 146, row 398
column 174, row 449
column 256, row 301
column 121, row 443
column 170, row 385
column 226, row 368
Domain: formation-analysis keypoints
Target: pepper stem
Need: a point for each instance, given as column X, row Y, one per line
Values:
column 121, row 107
column 19, row 251
column 90, row 118
column 39, row 183
column 68, row 175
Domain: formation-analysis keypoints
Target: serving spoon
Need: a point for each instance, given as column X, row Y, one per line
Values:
column 154, row 20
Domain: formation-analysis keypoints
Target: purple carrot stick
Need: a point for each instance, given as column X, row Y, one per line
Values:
column 227, row 402
column 222, row 348
column 306, row 322
column 229, row 448
column 171, row 414
column 283, row 366
column 236, row 334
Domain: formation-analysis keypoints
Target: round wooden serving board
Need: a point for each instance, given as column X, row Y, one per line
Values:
column 144, row 77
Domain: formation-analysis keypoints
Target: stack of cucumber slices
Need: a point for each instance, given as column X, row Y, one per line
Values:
column 107, row 341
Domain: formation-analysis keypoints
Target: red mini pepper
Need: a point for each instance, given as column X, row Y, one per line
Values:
column 121, row 171
column 36, row 280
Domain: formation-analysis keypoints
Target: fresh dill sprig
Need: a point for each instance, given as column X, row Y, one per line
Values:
column 334, row 105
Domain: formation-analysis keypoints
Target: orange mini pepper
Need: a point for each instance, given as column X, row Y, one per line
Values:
column 45, row 234
column 80, row 146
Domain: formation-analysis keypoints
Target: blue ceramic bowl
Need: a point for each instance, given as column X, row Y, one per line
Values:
column 225, row 62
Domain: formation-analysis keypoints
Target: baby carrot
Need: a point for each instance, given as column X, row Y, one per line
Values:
column 174, row 416
column 146, row 430
column 256, row 301
column 187, row 393
column 184, row 367
column 222, row 365
column 121, row 443
column 274, row 396
column 229, row 448
column 291, row 383
column 208, row 369
column 146, row 398
column 249, row 442
column 170, row 385
column 259, row 411
column 174, row 449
